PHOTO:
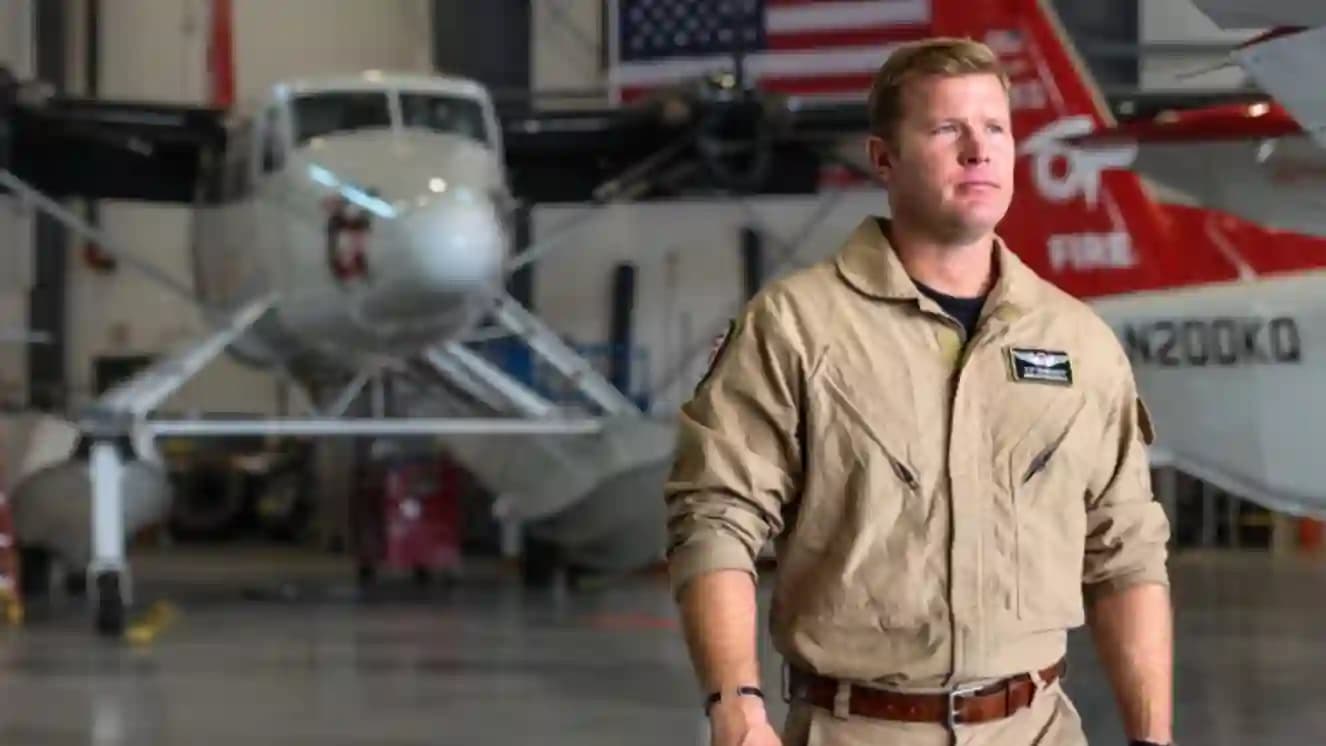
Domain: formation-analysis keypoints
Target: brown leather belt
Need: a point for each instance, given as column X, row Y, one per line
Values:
column 957, row 707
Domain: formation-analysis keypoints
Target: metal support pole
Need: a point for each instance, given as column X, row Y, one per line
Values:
column 1210, row 525
column 105, row 242
column 378, row 391
column 108, row 577
column 107, row 509
column 549, row 346
column 347, row 396
column 1232, row 520
column 485, row 381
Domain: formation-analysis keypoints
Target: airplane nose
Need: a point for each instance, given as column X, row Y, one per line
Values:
column 453, row 245
column 442, row 253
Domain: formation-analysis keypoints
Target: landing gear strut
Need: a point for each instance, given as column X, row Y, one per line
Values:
column 108, row 571
column 109, row 604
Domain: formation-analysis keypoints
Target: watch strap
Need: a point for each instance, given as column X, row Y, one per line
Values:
column 741, row 691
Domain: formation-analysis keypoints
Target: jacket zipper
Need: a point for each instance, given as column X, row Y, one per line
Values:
column 1042, row 460
column 905, row 474
column 899, row 469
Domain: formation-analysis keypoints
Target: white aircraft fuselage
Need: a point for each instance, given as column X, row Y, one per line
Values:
column 372, row 206
column 1230, row 373
column 369, row 207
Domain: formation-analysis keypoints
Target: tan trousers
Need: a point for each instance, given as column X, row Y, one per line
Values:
column 1051, row 720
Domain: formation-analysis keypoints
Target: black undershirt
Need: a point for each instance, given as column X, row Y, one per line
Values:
column 966, row 310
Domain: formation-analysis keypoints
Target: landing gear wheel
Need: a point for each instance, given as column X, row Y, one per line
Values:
column 34, row 571
column 540, row 563
column 110, row 605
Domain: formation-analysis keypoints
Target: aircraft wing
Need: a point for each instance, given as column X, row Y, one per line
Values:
column 1289, row 67
column 1251, row 160
column 696, row 139
column 70, row 147
column 1241, row 14
column 1286, row 61
column 671, row 143
column 1264, row 160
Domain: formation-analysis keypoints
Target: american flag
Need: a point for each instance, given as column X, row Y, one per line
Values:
column 820, row 48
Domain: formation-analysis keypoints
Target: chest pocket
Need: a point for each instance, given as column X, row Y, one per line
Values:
column 1048, row 468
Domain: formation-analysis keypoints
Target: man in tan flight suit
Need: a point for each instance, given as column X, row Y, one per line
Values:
column 948, row 453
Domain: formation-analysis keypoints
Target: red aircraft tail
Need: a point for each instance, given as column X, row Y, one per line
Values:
column 1077, row 217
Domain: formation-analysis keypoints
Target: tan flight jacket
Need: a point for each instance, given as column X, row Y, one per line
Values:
column 934, row 520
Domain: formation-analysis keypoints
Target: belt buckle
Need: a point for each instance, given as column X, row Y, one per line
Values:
column 953, row 696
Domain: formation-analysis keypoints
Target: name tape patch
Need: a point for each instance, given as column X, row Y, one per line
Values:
column 1040, row 366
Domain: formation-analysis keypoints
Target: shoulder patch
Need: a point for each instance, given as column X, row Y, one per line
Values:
column 717, row 351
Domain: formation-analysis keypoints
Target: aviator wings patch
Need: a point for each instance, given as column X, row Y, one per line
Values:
column 1040, row 366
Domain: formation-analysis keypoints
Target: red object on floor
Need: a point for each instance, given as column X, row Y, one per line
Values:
column 1311, row 535
column 409, row 514
column 11, row 598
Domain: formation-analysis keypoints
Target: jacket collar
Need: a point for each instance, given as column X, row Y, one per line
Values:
column 868, row 263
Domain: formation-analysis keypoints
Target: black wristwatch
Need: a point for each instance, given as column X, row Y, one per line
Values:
column 716, row 697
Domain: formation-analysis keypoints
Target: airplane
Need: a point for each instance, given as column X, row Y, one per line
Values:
column 361, row 225
column 1226, row 355
column 349, row 229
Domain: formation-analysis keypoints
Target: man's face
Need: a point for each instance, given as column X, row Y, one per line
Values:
column 949, row 169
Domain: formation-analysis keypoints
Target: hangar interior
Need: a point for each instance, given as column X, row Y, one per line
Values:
column 273, row 475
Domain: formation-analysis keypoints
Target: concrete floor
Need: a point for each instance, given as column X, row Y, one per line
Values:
column 488, row 663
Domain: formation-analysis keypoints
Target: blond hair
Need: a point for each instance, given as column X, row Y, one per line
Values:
column 934, row 56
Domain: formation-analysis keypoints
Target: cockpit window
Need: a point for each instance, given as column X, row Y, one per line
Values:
column 318, row 114
column 450, row 114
